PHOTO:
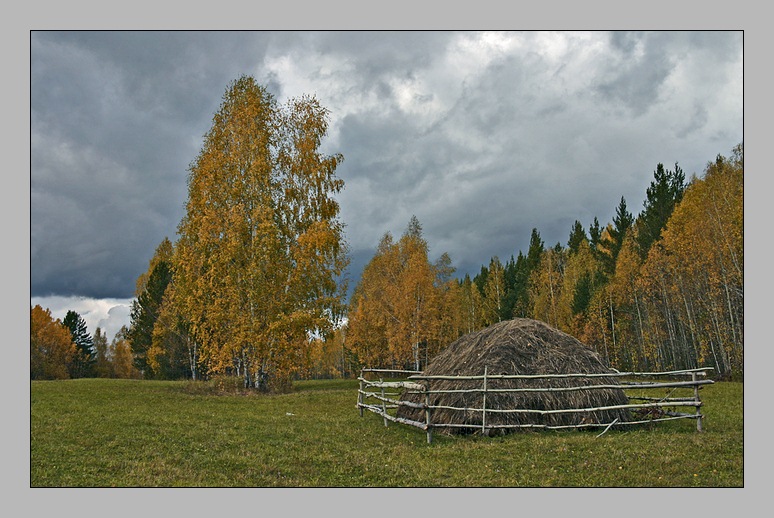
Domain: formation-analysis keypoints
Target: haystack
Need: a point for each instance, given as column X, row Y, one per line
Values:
column 519, row 346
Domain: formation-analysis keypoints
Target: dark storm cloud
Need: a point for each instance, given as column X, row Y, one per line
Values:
column 482, row 136
column 116, row 119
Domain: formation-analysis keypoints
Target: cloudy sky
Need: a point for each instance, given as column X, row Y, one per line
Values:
column 482, row 135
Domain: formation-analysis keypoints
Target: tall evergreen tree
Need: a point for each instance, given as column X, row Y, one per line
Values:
column 595, row 233
column 577, row 236
column 664, row 193
column 480, row 279
column 509, row 277
column 536, row 249
column 145, row 311
column 85, row 356
column 616, row 233
column 525, row 265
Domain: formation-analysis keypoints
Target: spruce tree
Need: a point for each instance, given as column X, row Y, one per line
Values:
column 577, row 236
column 664, row 193
column 525, row 265
column 85, row 357
column 622, row 222
column 595, row 233
column 145, row 311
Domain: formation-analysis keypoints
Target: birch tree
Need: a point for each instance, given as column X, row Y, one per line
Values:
column 51, row 346
column 261, row 250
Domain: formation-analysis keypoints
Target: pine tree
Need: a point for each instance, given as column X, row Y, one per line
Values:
column 664, row 193
column 577, row 236
column 145, row 311
column 85, row 356
column 525, row 265
column 612, row 240
column 595, row 233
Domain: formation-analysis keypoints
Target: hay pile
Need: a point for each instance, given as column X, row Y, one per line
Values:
column 518, row 346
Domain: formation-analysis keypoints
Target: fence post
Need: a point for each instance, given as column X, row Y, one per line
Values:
column 427, row 412
column 483, row 414
column 698, row 402
column 384, row 403
column 360, row 394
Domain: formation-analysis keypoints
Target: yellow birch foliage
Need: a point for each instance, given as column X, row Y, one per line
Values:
column 700, row 263
column 545, row 285
column 396, row 314
column 470, row 305
column 626, row 305
column 261, row 248
column 51, row 346
column 494, row 291
column 121, row 359
column 580, row 267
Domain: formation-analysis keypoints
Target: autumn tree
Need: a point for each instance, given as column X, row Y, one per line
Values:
column 146, row 307
column 261, row 250
column 626, row 309
column 494, row 292
column 102, row 364
column 397, row 313
column 694, row 278
column 174, row 351
column 121, row 356
column 83, row 361
column 545, row 288
column 581, row 281
column 450, row 322
column 470, row 306
column 51, row 346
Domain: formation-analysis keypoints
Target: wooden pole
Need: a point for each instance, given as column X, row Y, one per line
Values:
column 483, row 409
column 360, row 396
column 427, row 418
column 698, row 402
column 384, row 405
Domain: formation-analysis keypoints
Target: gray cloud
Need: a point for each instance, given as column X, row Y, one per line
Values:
column 481, row 136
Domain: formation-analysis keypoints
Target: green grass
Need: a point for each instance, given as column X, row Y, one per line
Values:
column 127, row 433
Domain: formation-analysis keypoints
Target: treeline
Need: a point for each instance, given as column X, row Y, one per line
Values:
column 63, row 349
column 662, row 290
column 254, row 286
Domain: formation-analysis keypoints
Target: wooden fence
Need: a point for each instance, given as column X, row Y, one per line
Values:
column 656, row 408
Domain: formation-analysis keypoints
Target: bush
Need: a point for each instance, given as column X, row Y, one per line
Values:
column 219, row 385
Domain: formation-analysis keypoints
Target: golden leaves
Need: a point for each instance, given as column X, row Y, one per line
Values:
column 260, row 247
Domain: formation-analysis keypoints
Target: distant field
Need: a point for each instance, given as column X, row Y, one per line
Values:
column 126, row 433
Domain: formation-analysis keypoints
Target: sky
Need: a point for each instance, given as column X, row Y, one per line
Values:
column 482, row 136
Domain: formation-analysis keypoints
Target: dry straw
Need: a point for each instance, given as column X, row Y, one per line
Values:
column 517, row 347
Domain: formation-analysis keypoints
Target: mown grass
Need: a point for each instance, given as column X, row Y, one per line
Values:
column 128, row 433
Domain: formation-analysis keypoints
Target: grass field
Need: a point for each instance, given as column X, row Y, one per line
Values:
column 128, row 433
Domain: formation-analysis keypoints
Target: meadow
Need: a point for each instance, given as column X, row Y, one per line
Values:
column 131, row 433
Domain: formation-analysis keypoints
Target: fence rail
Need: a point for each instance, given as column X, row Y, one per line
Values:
column 417, row 382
